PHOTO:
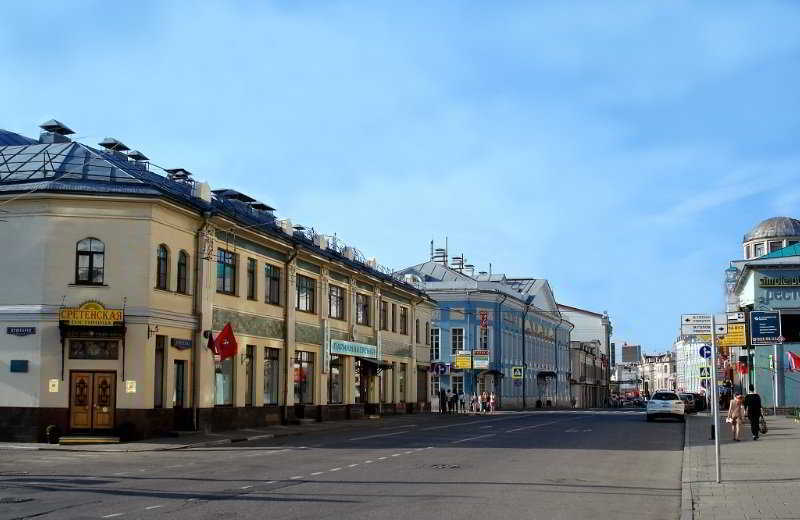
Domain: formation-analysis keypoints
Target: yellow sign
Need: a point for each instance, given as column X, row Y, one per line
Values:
column 91, row 314
column 53, row 386
column 130, row 387
column 463, row 360
column 735, row 337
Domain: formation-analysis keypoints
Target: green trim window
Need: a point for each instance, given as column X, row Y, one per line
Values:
column 226, row 272
column 272, row 281
column 251, row 278
column 306, row 293
column 336, row 302
column 362, row 309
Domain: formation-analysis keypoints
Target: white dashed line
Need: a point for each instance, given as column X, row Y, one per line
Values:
column 396, row 454
column 112, row 515
column 335, row 469
column 298, row 477
column 473, row 438
column 535, row 426
column 270, row 482
column 407, row 452
column 317, row 473
column 153, row 507
column 379, row 435
column 381, row 458
column 120, row 473
column 367, row 462
column 246, row 487
column 352, row 465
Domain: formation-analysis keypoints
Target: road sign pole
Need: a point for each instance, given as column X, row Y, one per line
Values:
column 775, row 379
column 714, row 396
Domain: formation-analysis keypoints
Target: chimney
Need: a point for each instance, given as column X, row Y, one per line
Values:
column 115, row 147
column 54, row 132
column 139, row 159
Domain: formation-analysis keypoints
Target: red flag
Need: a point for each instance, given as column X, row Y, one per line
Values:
column 794, row 361
column 741, row 367
column 225, row 344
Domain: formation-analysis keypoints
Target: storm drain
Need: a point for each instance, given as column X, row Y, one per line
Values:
column 445, row 466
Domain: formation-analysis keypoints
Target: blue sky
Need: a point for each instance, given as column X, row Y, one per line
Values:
column 618, row 149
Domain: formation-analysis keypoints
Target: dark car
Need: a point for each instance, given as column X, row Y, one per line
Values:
column 688, row 402
column 699, row 401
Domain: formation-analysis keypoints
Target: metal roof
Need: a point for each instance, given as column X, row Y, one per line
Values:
column 793, row 250
column 774, row 227
column 11, row 139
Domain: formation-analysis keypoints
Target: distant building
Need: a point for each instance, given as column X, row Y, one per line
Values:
column 769, row 236
column 688, row 362
column 625, row 379
column 593, row 328
column 658, row 372
column 631, row 353
column 588, row 377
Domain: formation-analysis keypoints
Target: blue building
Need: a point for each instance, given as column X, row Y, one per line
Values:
column 482, row 316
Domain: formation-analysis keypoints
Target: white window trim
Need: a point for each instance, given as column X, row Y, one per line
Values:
column 453, row 348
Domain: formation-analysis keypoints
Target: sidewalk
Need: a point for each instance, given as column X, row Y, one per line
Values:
column 759, row 479
column 201, row 440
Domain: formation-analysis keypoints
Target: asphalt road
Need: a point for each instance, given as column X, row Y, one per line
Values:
column 544, row 465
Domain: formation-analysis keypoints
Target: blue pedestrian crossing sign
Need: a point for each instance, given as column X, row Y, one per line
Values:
column 705, row 351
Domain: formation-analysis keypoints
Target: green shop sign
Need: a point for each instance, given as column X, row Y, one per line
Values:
column 350, row 348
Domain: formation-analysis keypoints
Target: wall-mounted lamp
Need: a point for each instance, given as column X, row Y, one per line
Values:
column 151, row 331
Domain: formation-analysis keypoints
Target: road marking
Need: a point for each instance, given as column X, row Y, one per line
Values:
column 352, row 465
column 298, row 477
column 367, row 462
column 381, row 458
column 407, row 452
column 484, row 427
column 396, row 454
column 112, row 515
column 537, row 425
column 120, row 473
column 398, row 427
column 473, row 438
column 270, row 482
column 246, row 487
column 335, row 469
column 153, row 507
column 317, row 473
column 376, row 436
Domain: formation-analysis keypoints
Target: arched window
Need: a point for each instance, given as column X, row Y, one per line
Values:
column 162, row 263
column 183, row 269
column 89, row 262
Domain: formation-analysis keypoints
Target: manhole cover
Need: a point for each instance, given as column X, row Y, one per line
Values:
column 445, row 466
column 14, row 500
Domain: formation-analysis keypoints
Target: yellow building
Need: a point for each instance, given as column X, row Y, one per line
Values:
column 116, row 277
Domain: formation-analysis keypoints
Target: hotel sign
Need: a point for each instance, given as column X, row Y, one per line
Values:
column 350, row 348
column 91, row 314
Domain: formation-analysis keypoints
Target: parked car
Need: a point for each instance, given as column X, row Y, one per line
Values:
column 699, row 402
column 689, row 402
column 665, row 403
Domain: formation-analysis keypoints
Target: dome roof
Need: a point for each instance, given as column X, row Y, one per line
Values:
column 775, row 227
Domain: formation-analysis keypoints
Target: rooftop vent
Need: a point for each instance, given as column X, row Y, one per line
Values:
column 54, row 132
column 136, row 155
column 286, row 226
column 113, row 145
column 260, row 206
column 229, row 194
column 179, row 175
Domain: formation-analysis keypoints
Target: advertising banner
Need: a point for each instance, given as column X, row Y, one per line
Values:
column 480, row 359
column 765, row 327
column 91, row 314
column 463, row 360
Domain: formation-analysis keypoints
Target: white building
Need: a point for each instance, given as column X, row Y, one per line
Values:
column 687, row 364
column 626, row 376
column 658, row 372
column 593, row 327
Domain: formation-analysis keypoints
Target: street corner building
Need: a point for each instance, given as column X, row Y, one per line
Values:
column 122, row 284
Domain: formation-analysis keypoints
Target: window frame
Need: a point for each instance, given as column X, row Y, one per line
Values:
column 183, row 273
column 252, row 285
column 272, row 282
column 162, row 268
column 453, row 347
column 309, row 294
column 403, row 320
column 363, row 302
column 91, row 254
column 338, row 298
column 384, row 315
column 271, row 355
column 229, row 262
column 436, row 343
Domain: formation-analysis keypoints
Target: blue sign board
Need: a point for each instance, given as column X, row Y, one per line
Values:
column 19, row 365
column 765, row 328
column 20, row 331
column 705, row 351
column 350, row 348
column 181, row 344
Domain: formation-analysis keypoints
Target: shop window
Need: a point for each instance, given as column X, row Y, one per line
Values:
column 336, row 302
column 223, row 382
column 790, row 327
column 360, row 383
column 404, row 321
column 435, row 337
column 271, row 375
column 384, row 323
column 272, row 280
column 226, row 272
column 183, row 272
column 306, row 293
column 456, row 340
column 335, row 381
column 435, row 386
column 89, row 262
column 158, row 372
column 93, row 349
column 251, row 278
column 483, row 338
column 304, row 377
column 362, row 309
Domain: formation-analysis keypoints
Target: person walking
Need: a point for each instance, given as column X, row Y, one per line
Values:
column 736, row 416
column 492, row 402
column 442, row 401
column 752, row 404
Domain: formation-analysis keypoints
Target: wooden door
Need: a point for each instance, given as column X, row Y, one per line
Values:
column 104, row 400
column 81, row 389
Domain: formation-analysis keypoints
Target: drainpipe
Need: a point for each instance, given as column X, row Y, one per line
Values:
column 286, row 334
column 198, row 331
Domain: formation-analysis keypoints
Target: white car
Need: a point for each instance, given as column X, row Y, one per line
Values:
column 665, row 403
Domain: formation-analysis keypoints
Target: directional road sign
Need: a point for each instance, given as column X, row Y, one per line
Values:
column 705, row 351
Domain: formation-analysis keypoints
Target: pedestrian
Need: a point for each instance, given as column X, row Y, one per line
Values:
column 484, row 402
column 473, row 403
column 736, row 416
column 492, row 402
column 752, row 404
column 442, row 401
column 461, row 401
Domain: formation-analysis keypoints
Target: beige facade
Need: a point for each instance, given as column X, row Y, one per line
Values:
column 164, row 375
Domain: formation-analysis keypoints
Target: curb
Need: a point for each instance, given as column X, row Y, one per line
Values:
column 687, row 506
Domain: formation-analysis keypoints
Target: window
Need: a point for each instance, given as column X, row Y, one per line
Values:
column 179, row 390
column 457, row 384
column 304, row 377
column 336, row 302
column 416, row 331
column 747, row 252
column 271, row 371
column 401, row 382
column 249, row 360
column 162, row 268
column 183, row 272
column 427, row 333
column 89, row 262
column 456, row 340
column 403, row 321
column 251, row 278
column 272, row 281
column 158, row 372
column 223, row 382
column 483, row 339
column 361, row 382
column 362, row 309
column 394, row 317
column 758, row 250
column 435, row 386
column 335, row 381
column 434, row 344
column 775, row 245
column 384, row 316
column 791, row 242
column 306, row 291
column 226, row 272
